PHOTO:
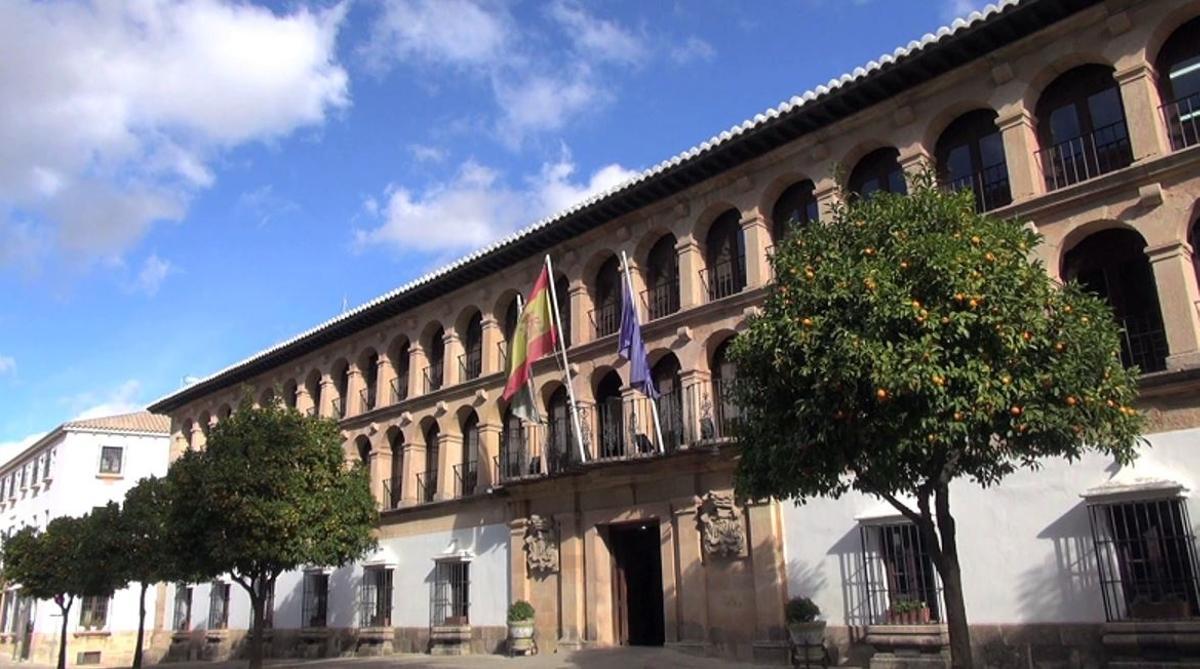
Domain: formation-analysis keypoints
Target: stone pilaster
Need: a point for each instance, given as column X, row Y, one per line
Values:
column 758, row 237
column 489, row 451
column 352, row 403
column 1179, row 299
column 492, row 340
column 451, row 371
column 691, row 261
column 449, row 455
column 416, row 367
column 1020, row 152
column 1139, row 94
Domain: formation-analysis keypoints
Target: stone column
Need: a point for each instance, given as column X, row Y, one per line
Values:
column 691, row 261
column 416, row 368
column 572, row 579
column 1020, row 148
column 670, row 580
column 328, row 392
column 825, row 192
column 697, row 401
column 352, row 403
column 489, row 450
column 492, row 339
column 758, row 238
column 383, row 381
column 693, row 586
column 599, row 594
column 451, row 373
column 381, row 470
column 913, row 160
column 1147, row 136
column 197, row 437
column 764, row 541
column 1179, row 299
column 517, row 573
column 413, row 464
column 303, row 399
column 581, row 327
column 449, row 455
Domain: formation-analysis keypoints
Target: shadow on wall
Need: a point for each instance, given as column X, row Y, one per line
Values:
column 1066, row 588
column 805, row 580
column 856, row 610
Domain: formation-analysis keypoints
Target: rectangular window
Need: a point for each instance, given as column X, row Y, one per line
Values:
column 1147, row 559
column 36, row 462
column 183, row 608
column 110, row 459
column 376, row 597
column 450, row 599
column 218, row 606
column 902, row 586
column 316, row 599
column 93, row 613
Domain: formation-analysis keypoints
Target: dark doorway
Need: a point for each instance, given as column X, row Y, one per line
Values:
column 637, row 583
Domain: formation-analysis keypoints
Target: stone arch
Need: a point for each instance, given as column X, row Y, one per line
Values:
column 1055, row 69
column 288, row 390
column 851, row 157
column 362, row 450
column 312, row 385
column 715, row 341
column 224, row 411
column 1168, row 23
column 709, row 215
column 951, row 112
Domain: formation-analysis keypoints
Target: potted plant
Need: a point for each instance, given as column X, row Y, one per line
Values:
column 803, row 627
column 1170, row 607
column 520, row 627
column 908, row 611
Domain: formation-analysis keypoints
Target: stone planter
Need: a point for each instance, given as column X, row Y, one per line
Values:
column 520, row 636
column 450, row 638
column 807, row 634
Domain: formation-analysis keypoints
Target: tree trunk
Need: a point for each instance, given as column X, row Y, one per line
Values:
column 951, row 573
column 256, row 647
column 137, row 649
column 65, row 607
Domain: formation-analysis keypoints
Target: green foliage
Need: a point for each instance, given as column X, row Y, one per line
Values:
column 269, row 493
column 146, row 546
column 909, row 340
column 520, row 611
column 801, row 610
column 907, row 605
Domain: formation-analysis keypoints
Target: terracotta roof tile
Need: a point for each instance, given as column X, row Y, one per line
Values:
column 142, row 421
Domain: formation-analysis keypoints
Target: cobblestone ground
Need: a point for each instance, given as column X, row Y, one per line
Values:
column 607, row 658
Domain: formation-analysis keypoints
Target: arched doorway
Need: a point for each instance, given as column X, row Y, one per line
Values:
column 670, row 401
column 610, row 416
column 725, row 256
column 427, row 481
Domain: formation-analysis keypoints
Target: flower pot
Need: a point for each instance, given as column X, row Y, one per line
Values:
column 916, row 617
column 807, row 634
column 520, row 636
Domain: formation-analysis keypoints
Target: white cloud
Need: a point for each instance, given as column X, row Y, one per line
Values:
column 456, row 32
column 544, row 103
column 424, row 153
column 8, row 365
column 476, row 207
column 693, row 49
column 154, row 271
column 123, row 105
column 115, row 401
column 10, row 449
column 954, row 9
column 264, row 204
column 596, row 37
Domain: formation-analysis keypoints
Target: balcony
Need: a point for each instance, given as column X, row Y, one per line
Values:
column 1183, row 121
column 502, row 354
column 391, row 494
column 662, row 299
column 1143, row 343
column 427, row 485
column 990, row 186
column 400, row 388
column 1104, row 150
column 433, row 376
column 366, row 396
column 466, row 478
column 470, row 365
column 723, row 279
column 606, row 318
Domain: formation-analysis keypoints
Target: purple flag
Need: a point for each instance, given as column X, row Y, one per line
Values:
column 632, row 347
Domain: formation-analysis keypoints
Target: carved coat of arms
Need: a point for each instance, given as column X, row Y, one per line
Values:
column 541, row 545
column 721, row 530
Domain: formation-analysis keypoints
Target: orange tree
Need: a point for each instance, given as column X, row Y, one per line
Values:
column 909, row 342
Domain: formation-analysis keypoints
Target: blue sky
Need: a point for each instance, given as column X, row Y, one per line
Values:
column 185, row 183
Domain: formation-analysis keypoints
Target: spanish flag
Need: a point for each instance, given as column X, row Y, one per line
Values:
column 534, row 338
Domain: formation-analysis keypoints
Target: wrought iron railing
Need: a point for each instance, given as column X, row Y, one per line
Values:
column 1081, row 158
column 376, row 598
column 989, row 185
column 366, row 396
column 899, row 578
column 723, row 279
column 606, row 318
column 502, row 355
column 399, row 387
column 391, row 493
column 662, row 299
column 427, row 484
column 1144, row 342
column 470, row 365
column 466, row 478
column 433, row 375
column 1183, row 121
column 520, row 454
column 339, row 407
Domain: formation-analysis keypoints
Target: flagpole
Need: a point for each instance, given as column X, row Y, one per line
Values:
column 566, row 367
column 653, row 404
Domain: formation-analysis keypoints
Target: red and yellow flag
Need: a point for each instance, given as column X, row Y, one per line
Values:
column 535, row 337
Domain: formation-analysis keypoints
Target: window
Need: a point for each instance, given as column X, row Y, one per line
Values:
column 376, row 597
column 471, row 361
column 563, row 449
column 515, row 461
column 110, row 459
column 662, row 278
column 878, row 171
column 609, row 411
column 1178, row 67
column 1081, row 127
column 970, row 156
column 450, row 599
column 724, row 409
column 725, row 256
column 437, row 358
column 183, row 608
column 901, row 583
column 670, row 402
column 606, row 317
column 427, row 481
column 316, row 599
column 1147, row 559
column 466, row 473
column 796, row 206
column 218, row 606
column 93, row 612
column 562, row 297
column 36, row 465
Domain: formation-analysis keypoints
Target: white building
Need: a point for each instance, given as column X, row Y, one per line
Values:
column 78, row 465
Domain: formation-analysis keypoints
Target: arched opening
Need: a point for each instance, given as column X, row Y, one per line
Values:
column 795, row 206
column 435, row 349
column 466, row 473
column 470, row 363
column 1112, row 264
column 606, row 294
column 398, row 354
column 670, row 401
column 1178, row 67
column 395, row 485
column 725, row 256
column 878, row 172
column 267, row 397
column 610, row 416
column 362, row 446
column 514, row 452
column 312, row 386
column 662, row 278
column 512, row 314
column 562, row 295
column 289, row 393
column 341, row 387
column 224, row 411
column 205, row 421
column 427, row 481
column 970, row 156
column 186, row 431
column 368, row 367
column 1081, row 127
column 724, row 408
column 563, row 451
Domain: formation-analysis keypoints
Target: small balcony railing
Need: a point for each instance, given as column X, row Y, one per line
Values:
column 391, row 494
column 466, row 478
column 662, row 299
column 1144, row 343
column 366, row 396
column 606, row 318
column 470, row 365
column 433, row 376
column 521, row 454
column 723, row 279
column 427, row 485
column 990, row 186
column 399, row 387
column 339, row 407
column 1104, row 150
column 502, row 355
column 1183, row 121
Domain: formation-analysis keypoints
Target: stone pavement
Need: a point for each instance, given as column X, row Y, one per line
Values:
column 600, row 658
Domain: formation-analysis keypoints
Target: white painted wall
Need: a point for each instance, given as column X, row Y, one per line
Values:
column 1026, row 545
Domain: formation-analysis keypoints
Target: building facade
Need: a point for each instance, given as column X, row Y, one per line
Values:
column 77, row 466
column 1077, row 117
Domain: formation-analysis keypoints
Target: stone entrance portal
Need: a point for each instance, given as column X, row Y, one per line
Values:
column 637, row 583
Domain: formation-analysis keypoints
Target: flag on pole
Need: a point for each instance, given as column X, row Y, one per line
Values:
column 632, row 347
column 534, row 338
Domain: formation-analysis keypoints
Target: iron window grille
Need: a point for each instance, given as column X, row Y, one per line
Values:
column 724, row 278
column 376, row 599
column 183, row 608
column 315, row 610
column 218, row 606
column 268, row 596
column 902, row 586
column 93, row 612
column 110, row 459
column 1146, row 555
column 450, row 597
